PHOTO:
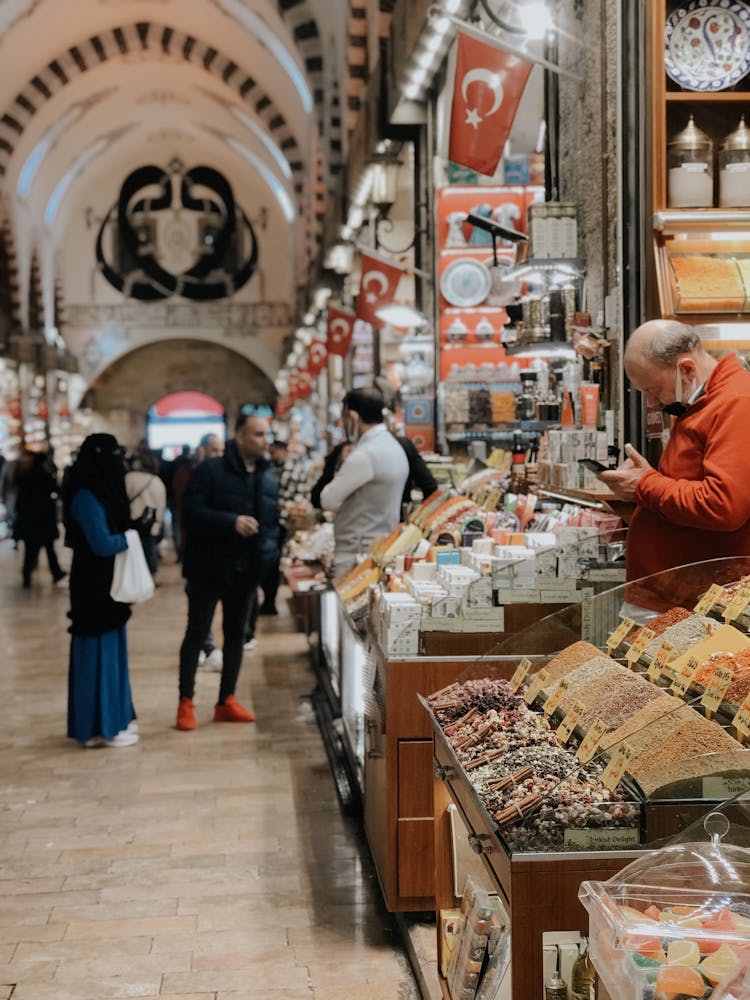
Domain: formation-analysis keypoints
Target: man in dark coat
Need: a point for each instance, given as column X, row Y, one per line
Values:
column 231, row 511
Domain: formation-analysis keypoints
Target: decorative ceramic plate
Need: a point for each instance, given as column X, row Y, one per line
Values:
column 465, row 282
column 707, row 44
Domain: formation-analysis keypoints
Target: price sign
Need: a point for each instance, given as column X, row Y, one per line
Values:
column 659, row 662
column 618, row 765
column 714, row 693
column 521, row 674
column 538, row 682
column 568, row 724
column 741, row 721
column 553, row 702
column 737, row 605
column 639, row 646
column 591, row 741
column 480, row 497
column 619, row 634
column 708, row 600
column 684, row 679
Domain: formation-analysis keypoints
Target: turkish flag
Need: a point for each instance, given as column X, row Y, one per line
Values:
column 317, row 355
column 340, row 330
column 486, row 92
column 284, row 405
column 377, row 287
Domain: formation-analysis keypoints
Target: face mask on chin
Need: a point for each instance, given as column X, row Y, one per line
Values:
column 678, row 408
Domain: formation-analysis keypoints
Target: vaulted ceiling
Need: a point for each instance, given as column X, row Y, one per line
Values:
column 91, row 90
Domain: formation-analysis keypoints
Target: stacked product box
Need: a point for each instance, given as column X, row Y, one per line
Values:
column 566, row 448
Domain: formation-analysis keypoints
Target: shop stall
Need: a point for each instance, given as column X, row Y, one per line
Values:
column 592, row 750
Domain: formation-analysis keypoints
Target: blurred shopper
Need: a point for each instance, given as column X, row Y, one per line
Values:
column 97, row 513
column 366, row 492
column 148, row 503
column 232, row 529
column 36, row 513
column 179, row 469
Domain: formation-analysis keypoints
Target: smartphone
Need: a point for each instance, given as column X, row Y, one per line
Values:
column 592, row 465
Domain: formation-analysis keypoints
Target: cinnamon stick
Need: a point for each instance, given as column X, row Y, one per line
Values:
column 511, row 779
column 518, row 810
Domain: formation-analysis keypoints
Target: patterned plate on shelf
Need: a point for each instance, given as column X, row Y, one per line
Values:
column 465, row 282
column 707, row 44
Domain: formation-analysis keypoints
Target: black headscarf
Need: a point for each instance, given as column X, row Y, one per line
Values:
column 100, row 468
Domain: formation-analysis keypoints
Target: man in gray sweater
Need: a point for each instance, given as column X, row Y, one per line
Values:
column 365, row 494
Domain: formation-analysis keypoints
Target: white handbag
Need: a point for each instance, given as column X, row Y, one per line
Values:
column 131, row 581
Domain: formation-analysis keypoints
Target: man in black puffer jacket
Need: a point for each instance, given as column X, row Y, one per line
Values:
column 231, row 510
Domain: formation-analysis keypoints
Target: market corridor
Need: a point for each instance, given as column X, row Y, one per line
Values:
column 213, row 864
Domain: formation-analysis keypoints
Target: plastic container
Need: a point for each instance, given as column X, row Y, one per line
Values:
column 676, row 922
column 690, row 169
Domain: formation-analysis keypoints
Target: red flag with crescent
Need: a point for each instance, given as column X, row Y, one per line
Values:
column 486, row 92
column 284, row 405
column 377, row 287
column 317, row 355
column 340, row 330
column 300, row 385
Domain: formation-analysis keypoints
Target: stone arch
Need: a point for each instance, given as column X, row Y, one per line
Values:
column 143, row 36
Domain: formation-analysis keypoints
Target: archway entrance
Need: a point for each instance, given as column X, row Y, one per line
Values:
column 182, row 418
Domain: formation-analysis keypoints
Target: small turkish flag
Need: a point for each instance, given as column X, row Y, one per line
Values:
column 317, row 355
column 284, row 405
column 340, row 330
column 300, row 385
column 377, row 287
column 486, row 93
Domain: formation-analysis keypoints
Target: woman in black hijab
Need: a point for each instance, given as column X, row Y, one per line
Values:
column 97, row 514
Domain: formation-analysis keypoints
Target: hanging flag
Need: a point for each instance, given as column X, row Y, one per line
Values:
column 283, row 405
column 317, row 355
column 340, row 330
column 486, row 92
column 377, row 287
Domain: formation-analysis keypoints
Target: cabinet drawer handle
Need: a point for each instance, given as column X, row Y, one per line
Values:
column 477, row 843
column 442, row 773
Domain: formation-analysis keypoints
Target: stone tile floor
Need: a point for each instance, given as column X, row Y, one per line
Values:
column 213, row 865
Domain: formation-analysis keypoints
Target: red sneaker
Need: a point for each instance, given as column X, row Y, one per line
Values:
column 186, row 715
column 232, row 711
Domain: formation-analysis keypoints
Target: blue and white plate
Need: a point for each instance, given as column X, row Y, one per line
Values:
column 465, row 282
column 707, row 44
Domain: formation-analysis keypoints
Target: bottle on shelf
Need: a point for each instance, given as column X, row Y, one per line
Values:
column 526, row 402
column 583, row 976
column 518, row 462
column 555, row 988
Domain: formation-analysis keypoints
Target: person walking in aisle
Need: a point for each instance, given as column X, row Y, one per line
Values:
column 366, row 492
column 36, row 514
column 96, row 513
column 232, row 530
column 148, row 503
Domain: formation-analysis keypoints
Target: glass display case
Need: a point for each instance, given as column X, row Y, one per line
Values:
column 609, row 737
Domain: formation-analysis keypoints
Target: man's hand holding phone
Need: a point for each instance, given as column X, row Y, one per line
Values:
column 246, row 526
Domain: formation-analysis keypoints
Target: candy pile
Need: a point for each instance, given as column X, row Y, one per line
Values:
column 685, row 951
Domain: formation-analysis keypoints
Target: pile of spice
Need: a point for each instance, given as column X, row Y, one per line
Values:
column 615, row 697
column 683, row 635
column 678, row 757
column 663, row 622
column 738, row 663
column 570, row 658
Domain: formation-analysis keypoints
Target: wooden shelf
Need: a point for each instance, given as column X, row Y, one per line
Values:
column 699, row 97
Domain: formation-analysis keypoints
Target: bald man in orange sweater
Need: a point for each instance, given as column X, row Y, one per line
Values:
column 696, row 505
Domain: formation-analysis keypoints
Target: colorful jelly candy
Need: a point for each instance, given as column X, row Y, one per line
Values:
column 676, row 979
column 721, row 966
column 683, row 953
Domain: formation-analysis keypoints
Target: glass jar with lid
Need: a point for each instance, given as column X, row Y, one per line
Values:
column 690, row 169
column 734, row 168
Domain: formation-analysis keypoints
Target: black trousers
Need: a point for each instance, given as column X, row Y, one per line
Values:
column 31, row 552
column 235, row 594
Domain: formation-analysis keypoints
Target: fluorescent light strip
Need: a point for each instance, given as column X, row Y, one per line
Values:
column 42, row 148
column 271, row 146
column 77, row 166
column 277, row 188
column 258, row 27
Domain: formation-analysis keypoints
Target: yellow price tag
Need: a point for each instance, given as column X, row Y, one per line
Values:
column 684, row 679
column 714, row 693
column 708, row 600
column 591, row 741
column 520, row 674
column 492, row 500
column 659, row 662
column 568, row 724
column 497, row 459
column 553, row 702
column 538, row 682
column 480, row 497
column 617, row 766
column 737, row 605
column 638, row 648
column 741, row 721
column 616, row 639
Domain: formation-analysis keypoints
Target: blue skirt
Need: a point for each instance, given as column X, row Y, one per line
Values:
column 100, row 702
